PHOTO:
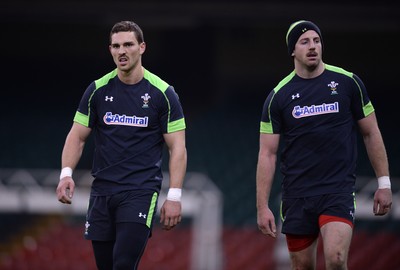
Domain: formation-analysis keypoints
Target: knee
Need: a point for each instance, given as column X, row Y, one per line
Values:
column 336, row 261
column 303, row 263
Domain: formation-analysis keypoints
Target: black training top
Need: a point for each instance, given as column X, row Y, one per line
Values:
column 129, row 122
column 317, row 119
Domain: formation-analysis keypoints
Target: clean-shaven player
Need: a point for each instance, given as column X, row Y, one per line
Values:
column 133, row 114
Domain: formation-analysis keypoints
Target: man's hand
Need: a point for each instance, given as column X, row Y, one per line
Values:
column 170, row 214
column 266, row 222
column 65, row 190
column 382, row 201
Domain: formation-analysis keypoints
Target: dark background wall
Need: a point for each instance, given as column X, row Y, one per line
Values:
column 223, row 57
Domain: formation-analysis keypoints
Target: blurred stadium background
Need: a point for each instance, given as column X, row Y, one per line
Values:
column 223, row 57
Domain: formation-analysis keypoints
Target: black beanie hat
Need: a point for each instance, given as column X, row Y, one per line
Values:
column 298, row 28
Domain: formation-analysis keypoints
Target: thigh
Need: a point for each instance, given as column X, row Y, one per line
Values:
column 306, row 258
column 336, row 222
column 103, row 254
column 336, row 239
column 131, row 240
column 300, row 224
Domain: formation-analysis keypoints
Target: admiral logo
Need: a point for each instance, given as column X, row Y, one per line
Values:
column 124, row 120
column 306, row 111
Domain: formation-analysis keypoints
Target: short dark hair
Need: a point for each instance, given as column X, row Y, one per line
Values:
column 128, row 26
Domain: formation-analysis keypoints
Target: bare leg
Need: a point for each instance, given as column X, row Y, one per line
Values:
column 305, row 259
column 336, row 237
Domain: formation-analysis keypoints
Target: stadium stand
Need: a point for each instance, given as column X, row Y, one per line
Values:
column 53, row 242
column 38, row 233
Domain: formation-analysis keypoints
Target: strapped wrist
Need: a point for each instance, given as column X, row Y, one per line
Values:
column 66, row 171
column 384, row 182
column 174, row 194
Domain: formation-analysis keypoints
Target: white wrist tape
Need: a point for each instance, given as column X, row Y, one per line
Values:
column 66, row 171
column 174, row 194
column 384, row 182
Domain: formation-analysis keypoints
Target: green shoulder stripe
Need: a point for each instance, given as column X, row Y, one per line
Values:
column 105, row 79
column 155, row 80
column 163, row 86
column 284, row 81
column 266, row 127
column 338, row 70
column 367, row 108
column 84, row 119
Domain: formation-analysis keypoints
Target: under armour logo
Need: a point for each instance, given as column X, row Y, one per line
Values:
column 296, row 96
column 142, row 215
column 109, row 98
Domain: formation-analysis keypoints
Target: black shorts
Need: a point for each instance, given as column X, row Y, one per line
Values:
column 129, row 206
column 302, row 216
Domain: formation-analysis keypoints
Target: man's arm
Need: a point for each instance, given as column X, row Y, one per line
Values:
column 265, row 174
column 377, row 155
column 171, row 210
column 70, row 157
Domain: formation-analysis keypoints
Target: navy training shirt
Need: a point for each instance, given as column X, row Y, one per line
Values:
column 317, row 120
column 129, row 122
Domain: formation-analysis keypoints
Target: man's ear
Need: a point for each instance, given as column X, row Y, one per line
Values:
column 142, row 47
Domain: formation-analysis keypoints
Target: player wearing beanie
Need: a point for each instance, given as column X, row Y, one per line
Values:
column 317, row 109
column 296, row 30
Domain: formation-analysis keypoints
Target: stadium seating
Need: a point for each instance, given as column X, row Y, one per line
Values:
column 54, row 243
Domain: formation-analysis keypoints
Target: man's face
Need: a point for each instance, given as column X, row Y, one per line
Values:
column 308, row 49
column 126, row 50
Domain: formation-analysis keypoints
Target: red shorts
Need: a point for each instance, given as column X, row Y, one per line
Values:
column 300, row 242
